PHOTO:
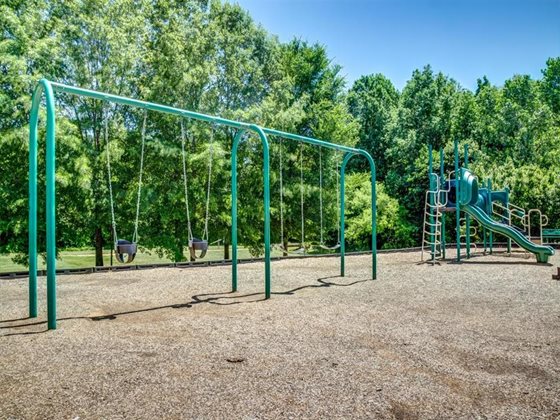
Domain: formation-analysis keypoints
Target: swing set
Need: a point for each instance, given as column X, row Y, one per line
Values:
column 126, row 250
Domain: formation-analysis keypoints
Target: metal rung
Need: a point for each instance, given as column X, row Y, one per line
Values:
column 436, row 224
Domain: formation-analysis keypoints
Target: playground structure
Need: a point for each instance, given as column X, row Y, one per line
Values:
column 47, row 89
column 491, row 209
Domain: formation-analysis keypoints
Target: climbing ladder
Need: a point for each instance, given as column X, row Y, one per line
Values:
column 435, row 202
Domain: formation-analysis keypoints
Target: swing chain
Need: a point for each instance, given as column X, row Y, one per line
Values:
column 302, row 204
column 281, row 196
column 109, row 175
column 185, row 181
column 143, row 140
column 338, row 199
column 210, row 158
column 321, row 194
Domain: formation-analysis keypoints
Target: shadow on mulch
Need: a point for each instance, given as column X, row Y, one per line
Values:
column 211, row 298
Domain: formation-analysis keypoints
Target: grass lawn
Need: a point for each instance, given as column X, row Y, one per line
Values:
column 86, row 258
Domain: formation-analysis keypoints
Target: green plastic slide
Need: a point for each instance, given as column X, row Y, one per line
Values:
column 542, row 252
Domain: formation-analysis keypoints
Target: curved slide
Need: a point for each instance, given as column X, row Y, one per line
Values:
column 542, row 252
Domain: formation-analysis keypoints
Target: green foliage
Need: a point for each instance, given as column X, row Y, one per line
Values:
column 373, row 100
column 551, row 84
column 392, row 227
column 211, row 57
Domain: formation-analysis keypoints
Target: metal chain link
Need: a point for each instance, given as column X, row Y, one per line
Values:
column 184, row 155
column 210, row 156
column 321, row 194
column 281, row 197
column 301, row 195
column 109, row 176
column 338, row 198
column 135, row 236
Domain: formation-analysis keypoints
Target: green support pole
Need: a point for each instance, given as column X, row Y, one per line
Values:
column 490, row 234
column 266, row 176
column 457, row 205
column 484, row 234
column 373, row 215
column 345, row 161
column 234, row 258
column 33, row 124
column 51, row 208
column 507, row 206
column 442, row 181
column 484, row 237
column 467, row 217
column 45, row 87
column 266, row 170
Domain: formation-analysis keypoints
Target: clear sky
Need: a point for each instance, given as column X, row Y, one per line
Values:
column 463, row 39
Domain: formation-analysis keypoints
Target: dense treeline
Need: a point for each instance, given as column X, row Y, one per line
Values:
column 211, row 57
column 513, row 133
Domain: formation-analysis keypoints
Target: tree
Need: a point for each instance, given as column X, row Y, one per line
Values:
column 424, row 117
column 550, row 85
column 373, row 101
column 393, row 229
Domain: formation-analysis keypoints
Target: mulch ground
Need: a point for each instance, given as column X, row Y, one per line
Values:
column 477, row 339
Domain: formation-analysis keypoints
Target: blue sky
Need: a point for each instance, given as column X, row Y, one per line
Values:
column 463, row 39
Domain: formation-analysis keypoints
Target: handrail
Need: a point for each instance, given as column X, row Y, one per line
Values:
column 543, row 221
column 510, row 213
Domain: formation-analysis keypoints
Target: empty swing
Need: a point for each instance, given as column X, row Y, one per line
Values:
column 124, row 247
column 321, row 241
column 199, row 245
column 301, row 247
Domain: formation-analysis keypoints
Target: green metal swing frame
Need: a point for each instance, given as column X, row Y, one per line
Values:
column 47, row 89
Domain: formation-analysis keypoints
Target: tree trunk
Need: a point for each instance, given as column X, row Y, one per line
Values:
column 285, row 246
column 179, row 245
column 98, row 247
column 179, row 254
column 226, row 250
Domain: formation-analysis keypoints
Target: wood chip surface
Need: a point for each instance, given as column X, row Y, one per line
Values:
column 479, row 339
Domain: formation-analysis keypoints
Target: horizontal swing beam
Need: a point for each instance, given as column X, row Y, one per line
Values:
column 59, row 87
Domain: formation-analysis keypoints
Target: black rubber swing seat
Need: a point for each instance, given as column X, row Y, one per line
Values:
column 330, row 248
column 124, row 247
column 299, row 250
column 195, row 245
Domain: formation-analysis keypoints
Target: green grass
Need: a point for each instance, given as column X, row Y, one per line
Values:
column 86, row 258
